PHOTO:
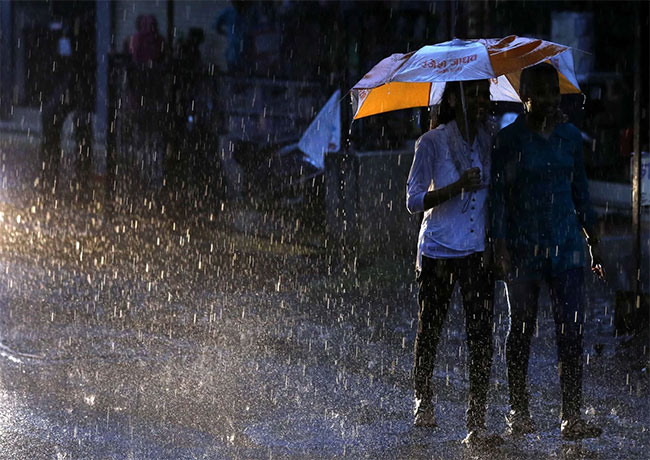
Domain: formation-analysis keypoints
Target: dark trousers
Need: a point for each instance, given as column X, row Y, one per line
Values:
column 566, row 290
column 54, row 113
column 436, row 283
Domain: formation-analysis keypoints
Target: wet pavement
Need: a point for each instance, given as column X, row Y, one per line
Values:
column 230, row 332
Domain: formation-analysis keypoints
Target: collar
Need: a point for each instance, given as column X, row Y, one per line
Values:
column 460, row 149
column 482, row 135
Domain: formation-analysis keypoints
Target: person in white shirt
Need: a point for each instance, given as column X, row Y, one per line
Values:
column 449, row 181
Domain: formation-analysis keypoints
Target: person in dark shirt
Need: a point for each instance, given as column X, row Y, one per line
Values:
column 540, row 209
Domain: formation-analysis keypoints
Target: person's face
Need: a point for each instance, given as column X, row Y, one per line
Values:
column 543, row 95
column 477, row 100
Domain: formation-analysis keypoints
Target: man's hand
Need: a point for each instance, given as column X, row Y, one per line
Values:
column 470, row 180
column 597, row 262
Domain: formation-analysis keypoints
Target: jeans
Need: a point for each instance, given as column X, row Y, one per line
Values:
column 566, row 290
column 436, row 283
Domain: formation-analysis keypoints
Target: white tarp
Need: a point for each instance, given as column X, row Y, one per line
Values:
column 324, row 133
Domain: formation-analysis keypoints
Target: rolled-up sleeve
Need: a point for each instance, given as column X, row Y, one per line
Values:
column 497, row 192
column 420, row 176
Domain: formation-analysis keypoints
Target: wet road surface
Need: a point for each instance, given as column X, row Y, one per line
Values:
column 231, row 333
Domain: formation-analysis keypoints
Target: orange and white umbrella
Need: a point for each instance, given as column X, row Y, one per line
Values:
column 417, row 79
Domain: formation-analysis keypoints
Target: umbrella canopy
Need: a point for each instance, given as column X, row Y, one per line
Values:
column 417, row 79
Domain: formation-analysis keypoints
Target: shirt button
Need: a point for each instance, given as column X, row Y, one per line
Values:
column 473, row 208
column 471, row 220
column 472, row 230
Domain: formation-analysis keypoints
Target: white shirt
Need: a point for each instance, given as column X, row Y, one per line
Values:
column 455, row 228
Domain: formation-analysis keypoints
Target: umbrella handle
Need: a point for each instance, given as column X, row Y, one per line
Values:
column 462, row 100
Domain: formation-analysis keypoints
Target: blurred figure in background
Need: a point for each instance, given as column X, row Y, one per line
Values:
column 73, row 55
column 148, row 53
column 234, row 23
column 192, row 121
column 147, row 99
column 146, row 45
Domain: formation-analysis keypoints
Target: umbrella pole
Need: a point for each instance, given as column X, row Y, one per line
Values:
column 462, row 100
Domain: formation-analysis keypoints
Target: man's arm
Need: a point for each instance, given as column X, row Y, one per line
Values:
column 498, row 209
column 584, row 209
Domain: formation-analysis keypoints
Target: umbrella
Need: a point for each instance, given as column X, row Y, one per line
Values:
column 417, row 79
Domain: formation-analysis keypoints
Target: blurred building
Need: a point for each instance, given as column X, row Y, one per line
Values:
column 331, row 44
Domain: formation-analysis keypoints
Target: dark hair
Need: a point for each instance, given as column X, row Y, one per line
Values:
column 446, row 112
column 531, row 75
